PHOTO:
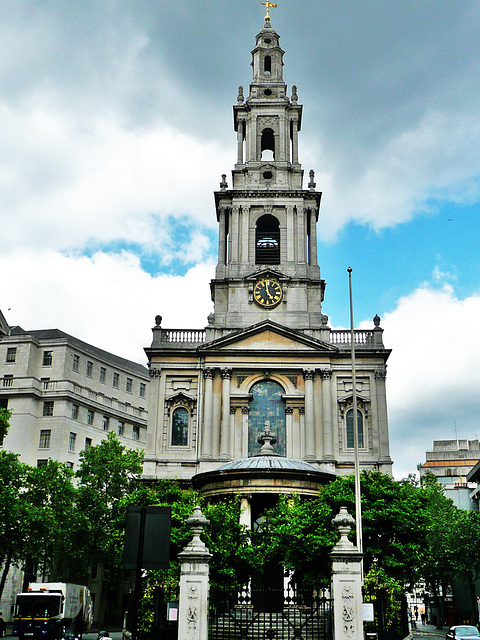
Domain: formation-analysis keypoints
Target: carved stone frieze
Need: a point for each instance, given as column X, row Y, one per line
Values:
column 293, row 380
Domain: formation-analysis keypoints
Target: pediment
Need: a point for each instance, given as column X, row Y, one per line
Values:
column 268, row 335
column 267, row 273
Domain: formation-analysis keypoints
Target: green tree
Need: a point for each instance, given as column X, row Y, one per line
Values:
column 441, row 546
column 49, row 497
column 5, row 416
column 107, row 474
column 466, row 553
column 13, row 513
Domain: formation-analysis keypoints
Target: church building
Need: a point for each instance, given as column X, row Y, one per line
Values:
column 267, row 379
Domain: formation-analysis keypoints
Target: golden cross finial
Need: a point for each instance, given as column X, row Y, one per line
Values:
column 267, row 5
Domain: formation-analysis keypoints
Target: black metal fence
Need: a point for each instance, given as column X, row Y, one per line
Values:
column 281, row 614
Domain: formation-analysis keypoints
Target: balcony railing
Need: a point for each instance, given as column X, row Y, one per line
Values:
column 344, row 337
column 190, row 336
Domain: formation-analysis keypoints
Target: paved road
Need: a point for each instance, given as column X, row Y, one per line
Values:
column 428, row 632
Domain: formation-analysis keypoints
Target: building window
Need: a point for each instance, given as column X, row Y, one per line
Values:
column 47, row 358
column 71, row 441
column 44, row 439
column 103, row 374
column 116, row 378
column 69, row 465
column 120, row 428
column 106, row 423
column 267, row 240
column 76, row 362
column 267, row 404
column 142, row 389
column 8, row 380
column 88, row 443
column 75, row 409
column 11, row 354
column 136, row 432
column 350, row 432
column 89, row 369
column 48, row 408
column 128, row 386
column 90, row 416
column 42, row 462
column 180, row 427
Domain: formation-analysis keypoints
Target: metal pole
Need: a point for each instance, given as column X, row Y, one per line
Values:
column 358, row 504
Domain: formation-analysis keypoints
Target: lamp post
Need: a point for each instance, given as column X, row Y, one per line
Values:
column 358, row 504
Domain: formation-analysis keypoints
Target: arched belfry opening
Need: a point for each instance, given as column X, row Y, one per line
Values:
column 267, row 404
column 267, row 145
column 267, row 240
column 267, row 65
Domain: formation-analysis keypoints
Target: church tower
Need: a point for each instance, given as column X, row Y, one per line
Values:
column 268, row 362
column 267, row 252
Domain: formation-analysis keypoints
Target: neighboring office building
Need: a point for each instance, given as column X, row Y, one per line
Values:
column 65, row 395
column 450, row 462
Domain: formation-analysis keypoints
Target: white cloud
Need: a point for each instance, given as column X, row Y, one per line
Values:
column 433, row 372
column 106, row 300
column 407, row 174
column 64, row 184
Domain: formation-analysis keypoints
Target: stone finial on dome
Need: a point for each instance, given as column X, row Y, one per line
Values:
column 376, row 320
column 240, row 96
column 267, row 438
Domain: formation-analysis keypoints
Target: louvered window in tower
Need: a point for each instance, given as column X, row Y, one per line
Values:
column 267, row 240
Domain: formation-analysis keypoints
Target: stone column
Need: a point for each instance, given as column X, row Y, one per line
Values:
column 225, row 424
column 327, row 414
column 207, row 426
column 240, row 142
column 313, row 259
column 346, row 582
column 221, row 236
column 245, row 218
column 383, row 448
column 290, row 235
column 245, row 416
column 294, row 141
column 246, row 511
column 234, row 235
column 194, row 583
column 301, row 235
column 309, row 415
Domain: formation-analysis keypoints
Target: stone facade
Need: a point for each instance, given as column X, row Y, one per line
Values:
column 268, row 352
column 66, row 395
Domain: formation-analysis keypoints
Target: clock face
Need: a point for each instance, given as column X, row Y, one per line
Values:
column 267, row 293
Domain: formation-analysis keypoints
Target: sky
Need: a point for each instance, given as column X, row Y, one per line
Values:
column 115, row 129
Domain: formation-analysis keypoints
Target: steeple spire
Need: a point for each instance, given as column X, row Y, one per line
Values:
column 267, row 5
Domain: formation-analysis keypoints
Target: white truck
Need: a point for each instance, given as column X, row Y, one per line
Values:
column 52, row 610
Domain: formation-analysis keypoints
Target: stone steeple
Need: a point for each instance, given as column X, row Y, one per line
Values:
column 267, row 259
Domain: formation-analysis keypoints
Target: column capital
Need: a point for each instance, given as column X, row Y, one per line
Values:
column 208, row 372
column 226, row 374
column 309, row 374
column 326, row 374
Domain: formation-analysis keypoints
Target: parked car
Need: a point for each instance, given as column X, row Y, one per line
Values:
column 463, row 632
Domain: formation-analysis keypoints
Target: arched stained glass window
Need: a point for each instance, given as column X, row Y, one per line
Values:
column 350, row 432
column 267, row 404
column 180, row 427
